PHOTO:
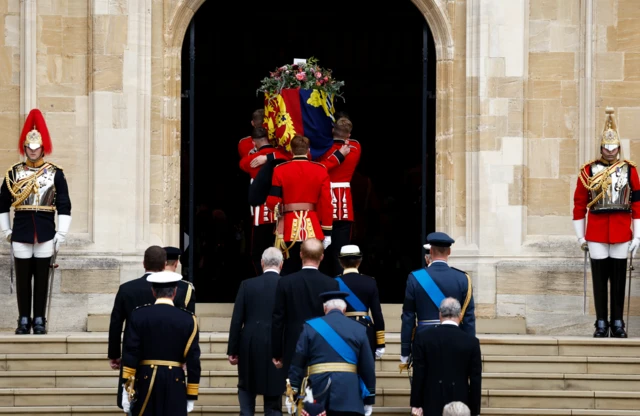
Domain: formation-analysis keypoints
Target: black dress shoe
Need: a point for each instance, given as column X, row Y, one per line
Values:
column 602, row 329
column 617, row 329
column 39, row 325
column 24, row 325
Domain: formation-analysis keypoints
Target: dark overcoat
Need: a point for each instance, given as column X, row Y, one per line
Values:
column 250, row 336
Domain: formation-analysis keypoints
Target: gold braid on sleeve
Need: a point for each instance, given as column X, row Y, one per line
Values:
column 19, row 190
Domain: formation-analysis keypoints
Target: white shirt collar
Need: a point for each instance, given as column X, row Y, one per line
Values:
column 164, row 301
column 271, row 270
column 438, row 261
column 310, row 267
column 449, row 322
column 350, row 270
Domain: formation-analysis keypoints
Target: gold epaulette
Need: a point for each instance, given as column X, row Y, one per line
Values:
column 588, row 163
column 630, row 163
column 13, row 167
column 54, row 165
column 142, row 306
column 187, row 310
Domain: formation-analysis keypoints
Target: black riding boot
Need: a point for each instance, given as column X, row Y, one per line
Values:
column 600, row 275
column 618, row 284
column 23, row 292
column 40, row 291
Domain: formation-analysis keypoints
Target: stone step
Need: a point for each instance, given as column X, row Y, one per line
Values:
column 234, row 410
column 100, row 323
column 385, row 397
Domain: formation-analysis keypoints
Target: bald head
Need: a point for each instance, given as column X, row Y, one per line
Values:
column 311, row 252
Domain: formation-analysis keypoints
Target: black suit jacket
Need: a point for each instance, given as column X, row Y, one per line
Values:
column 297, row 300
column 447, row 368
column 250, row 336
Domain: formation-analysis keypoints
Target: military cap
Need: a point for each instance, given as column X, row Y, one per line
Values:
column 173, row 253
column 164, row 277
column 350, row 250
column 439, row 239
column 427, row 247
column 334, row 294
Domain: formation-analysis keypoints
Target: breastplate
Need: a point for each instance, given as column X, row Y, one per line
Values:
column 43, row 193
column 617, row 195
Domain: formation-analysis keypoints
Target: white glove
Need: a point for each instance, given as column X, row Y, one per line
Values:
column 64, row 222
column 288, row 405
column 326, row 242
column 5, row 227
column 125, row 400
column 190, row 404
column 404, row 360
column 578, row 226
column 633, row 247
column 379, row 352
column 368, row 409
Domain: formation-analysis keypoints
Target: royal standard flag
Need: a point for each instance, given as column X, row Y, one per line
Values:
column 309, row 113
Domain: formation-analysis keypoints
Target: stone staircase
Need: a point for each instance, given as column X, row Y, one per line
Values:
column 68, row 374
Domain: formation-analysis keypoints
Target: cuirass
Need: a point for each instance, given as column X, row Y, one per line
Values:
column 617, row 196
column 44, row 193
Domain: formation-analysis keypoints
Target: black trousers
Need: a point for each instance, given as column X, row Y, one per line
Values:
column 294, row 262
column 262, row 237
column 272, row 404
column 38, row 269
column 609, row 272
column 340, row 236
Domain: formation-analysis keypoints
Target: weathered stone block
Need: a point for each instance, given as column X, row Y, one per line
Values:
column 543, row 9
column 545, row 89
column 549, row 225
column 510, row 87
column 539, row 36
column 511, row 305
column 628, row 36
column 74, row 35
column 610, row 66
column 552, row 66
column 90, row 281
column 57, row 104
column 10, row 101
column 536, row 278
column 543, row 158
column 632, row 66
column 569, row 93
column 535, row 116
column 107, row 73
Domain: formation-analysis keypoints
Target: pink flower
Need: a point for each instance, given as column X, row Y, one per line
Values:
column 318, row 74
column 326, row 79
column 301, row 76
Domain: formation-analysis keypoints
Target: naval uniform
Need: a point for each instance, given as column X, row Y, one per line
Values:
column 419, row 307
column 159, row 339
column 337, row 383
column 131, row 295
column 365, row 290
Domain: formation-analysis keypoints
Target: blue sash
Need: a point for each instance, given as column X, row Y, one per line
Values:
column 352, row 299
column 339, row 345
column 429, row 286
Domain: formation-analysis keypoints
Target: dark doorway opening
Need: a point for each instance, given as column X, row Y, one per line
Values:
column 378, row 52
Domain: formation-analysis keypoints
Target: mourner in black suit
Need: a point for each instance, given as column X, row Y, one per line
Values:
column 363, row 297
column 134, row 293
column 159, row 340
column 297, row 299
column 333, row 357
column 447, row 281
column 447, row 365
column 249, row 345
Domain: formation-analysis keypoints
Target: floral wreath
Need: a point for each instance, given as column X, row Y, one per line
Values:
column 307, row 75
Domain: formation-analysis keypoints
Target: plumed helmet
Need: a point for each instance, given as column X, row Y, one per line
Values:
column 35, row 133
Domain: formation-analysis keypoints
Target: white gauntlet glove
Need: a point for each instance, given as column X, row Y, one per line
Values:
column 368, row 409
column 326, row 242
column 404, row 360
column 578, row 226
column 635, row 243
column 64, row 222
column 125, row 400
column 190, row 404
column 380, row 352
column 5, row 227
column 288, row 405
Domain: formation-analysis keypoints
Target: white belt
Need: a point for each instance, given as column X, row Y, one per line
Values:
column 340, row 185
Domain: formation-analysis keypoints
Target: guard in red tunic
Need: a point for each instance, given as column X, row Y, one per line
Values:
column 245, row 145
column 301, row 190
column 341, row 162
column 263, row 221
column 609, row 190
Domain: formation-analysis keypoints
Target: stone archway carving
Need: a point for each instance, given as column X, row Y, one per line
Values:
column 178, row 15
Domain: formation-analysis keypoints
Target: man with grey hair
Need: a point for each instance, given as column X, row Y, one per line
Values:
column 456, row 409
column 249, row 345
column 447, row 365
column 333, row 356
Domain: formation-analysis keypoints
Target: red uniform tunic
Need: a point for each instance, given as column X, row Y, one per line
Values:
column 341, row 169
column 302, row 181
column 245, row 146
column 607, row 227
column 262, row 214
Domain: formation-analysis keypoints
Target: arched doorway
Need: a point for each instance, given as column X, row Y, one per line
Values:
column 380, row 57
